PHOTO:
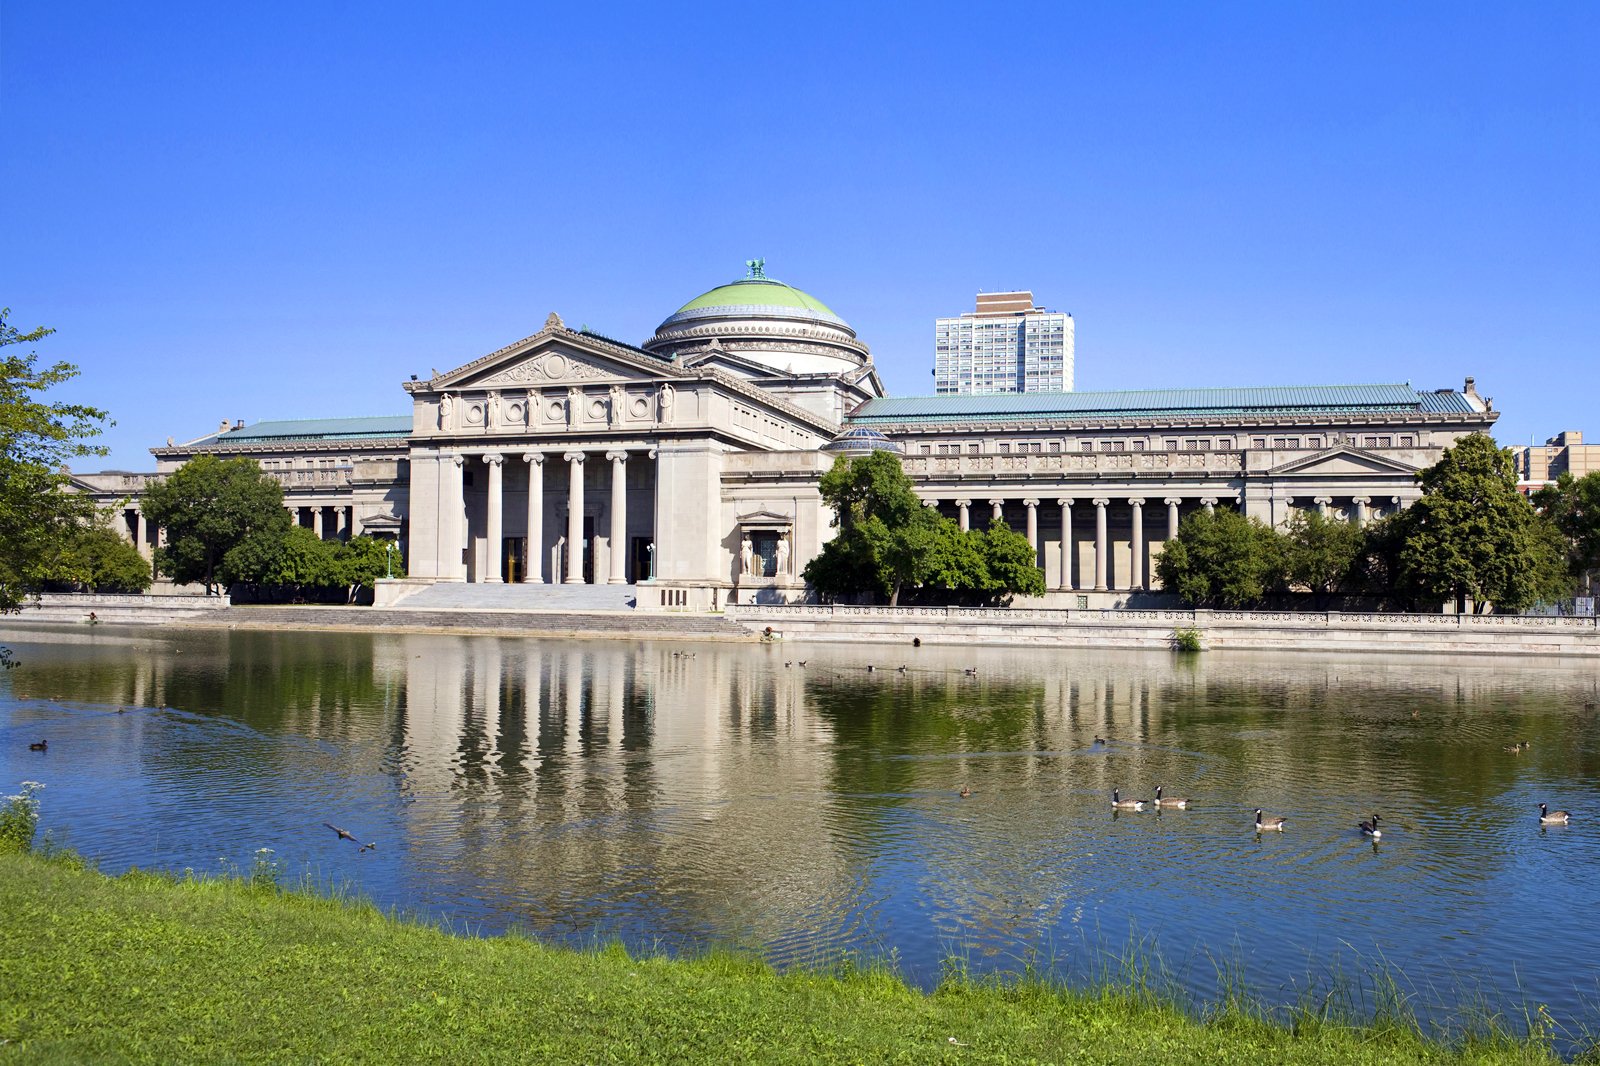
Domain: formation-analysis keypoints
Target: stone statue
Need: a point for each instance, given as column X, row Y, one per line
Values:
column 574, row 399
column 617, row 400
column 447, row 407
column 783, row 555
column 667, row 395
column 492, row 409
column 747, row 557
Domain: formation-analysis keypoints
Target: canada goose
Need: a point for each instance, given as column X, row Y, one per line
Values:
column 345, row 834
column 802, row 664
column 870, row 668
column 972, row 671
column 902, row 668
column 1125, row 805
column 1371, row 828
column 1179, row 803
column 965, row 791
column 1274, row 823
column 1099, row 742
column 1549, row 817
column 39, row 745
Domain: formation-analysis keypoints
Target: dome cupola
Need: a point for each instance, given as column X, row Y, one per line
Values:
column 765, row 321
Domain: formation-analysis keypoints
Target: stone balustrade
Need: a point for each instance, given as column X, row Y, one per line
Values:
column 1133, row 628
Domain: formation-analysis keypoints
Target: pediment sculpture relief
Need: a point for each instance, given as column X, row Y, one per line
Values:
column 551, row 366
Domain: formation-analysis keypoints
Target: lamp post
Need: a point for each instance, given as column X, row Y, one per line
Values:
column 388, row 558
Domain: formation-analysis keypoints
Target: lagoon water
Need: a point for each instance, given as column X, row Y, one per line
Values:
column 679, row 796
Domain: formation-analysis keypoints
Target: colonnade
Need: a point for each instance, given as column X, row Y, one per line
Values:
column 342, row 527
column 453, row 489
column 1138, row 576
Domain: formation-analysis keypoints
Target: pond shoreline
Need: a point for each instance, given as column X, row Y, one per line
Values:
column 338, row 977
column 1132, row 629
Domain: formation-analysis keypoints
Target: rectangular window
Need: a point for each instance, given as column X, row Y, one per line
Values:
column 927, row 449
column 1225, row 444
column 1172, row 444
column 1055, row 446
column 1313, row 442
column 1087, row 446
column 1005, row 449
column 1407, row 442
column 1259, row 442
column 1138, row 445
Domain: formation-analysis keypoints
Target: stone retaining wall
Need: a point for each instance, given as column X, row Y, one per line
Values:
column 124, row 609
column 1253, row 630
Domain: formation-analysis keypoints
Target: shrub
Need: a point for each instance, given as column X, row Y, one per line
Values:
column 19, row 819
column 1186, row 638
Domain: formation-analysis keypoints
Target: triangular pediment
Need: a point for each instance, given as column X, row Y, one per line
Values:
column 1344, row 460
column 557, row 356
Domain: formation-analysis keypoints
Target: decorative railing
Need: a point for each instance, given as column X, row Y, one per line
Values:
column 935, row 466
column 1172, row 617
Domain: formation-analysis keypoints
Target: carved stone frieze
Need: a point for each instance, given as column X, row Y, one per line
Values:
column 549, row 367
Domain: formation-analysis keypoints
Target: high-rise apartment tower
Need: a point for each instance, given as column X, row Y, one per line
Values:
column 1006, row 345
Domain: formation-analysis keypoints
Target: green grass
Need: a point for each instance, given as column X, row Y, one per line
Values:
column 153, row 968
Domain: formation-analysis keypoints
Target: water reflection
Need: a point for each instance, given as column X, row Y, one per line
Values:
column 677, row 795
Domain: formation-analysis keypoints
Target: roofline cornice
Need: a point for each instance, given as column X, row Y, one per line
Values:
column 1420, row 419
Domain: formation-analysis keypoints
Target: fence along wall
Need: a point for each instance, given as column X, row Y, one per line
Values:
column 1244, row 630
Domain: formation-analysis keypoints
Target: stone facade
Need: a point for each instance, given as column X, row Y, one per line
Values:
column 688, row 467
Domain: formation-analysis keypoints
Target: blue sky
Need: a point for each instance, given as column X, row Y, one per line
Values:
column 283, row 210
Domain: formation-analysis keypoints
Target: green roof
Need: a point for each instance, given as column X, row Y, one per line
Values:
column 757, row 292
column 1152, row 403
column 318, row 429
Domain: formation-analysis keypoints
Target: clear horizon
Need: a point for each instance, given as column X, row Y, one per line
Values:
column 285, row 212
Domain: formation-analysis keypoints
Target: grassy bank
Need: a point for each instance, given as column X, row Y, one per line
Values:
column 152, row 968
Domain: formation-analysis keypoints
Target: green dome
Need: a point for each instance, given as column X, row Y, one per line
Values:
column 757, row 292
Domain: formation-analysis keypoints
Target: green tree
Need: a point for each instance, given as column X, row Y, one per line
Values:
column 1377, row 571
column 1473, row 535
column 883, row 531
column 224, row 521
column 1011, row 563
column 94, row 558
column 889, row 543
column 1220, row 558
column 1572, row 505
column 360, row 561
column 1320, row 554
column 36, row 439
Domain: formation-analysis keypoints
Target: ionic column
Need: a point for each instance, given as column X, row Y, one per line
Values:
column 619, row 516
column 1172, row 516
column 1209, row 503
column 535, row 461
column 1394, row 502
column 496, row 532
column 1100, row 543
column 1361, row 508
column 1137, row 503
column 962, row 516
column 139, row 534
column 999, row 512
column 316, row 520
column 1322, row 503
column 574, row 517
column 1066, row 543
column 1033, row 526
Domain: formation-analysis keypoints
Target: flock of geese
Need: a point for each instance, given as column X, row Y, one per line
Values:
column 1272, row 823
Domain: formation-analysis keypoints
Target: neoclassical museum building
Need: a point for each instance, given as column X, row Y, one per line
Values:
column 686, row 468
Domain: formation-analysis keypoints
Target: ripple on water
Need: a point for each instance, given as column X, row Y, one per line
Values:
column 594, row 792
